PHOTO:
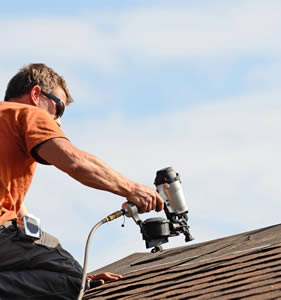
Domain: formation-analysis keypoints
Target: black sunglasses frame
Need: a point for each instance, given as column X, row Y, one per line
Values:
column 60, row 107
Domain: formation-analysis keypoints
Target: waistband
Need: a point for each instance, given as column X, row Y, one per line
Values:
column 9, row 223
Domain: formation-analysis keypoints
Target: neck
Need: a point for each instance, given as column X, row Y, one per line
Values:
column 22, row 99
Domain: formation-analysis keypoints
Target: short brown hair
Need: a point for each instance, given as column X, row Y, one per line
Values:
column 35, row 74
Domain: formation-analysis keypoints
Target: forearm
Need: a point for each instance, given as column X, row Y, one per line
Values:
column 84, row 167
column 93, row 172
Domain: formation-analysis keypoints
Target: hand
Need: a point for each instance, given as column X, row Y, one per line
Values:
column 100, row 279
column 146, row 199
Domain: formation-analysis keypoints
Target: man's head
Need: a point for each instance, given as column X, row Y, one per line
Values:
column 35, row 74
column 39, row 85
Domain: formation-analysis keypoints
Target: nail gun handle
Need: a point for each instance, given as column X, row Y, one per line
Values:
column 132, row 212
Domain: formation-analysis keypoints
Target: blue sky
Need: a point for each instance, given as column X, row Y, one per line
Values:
column 189, row 84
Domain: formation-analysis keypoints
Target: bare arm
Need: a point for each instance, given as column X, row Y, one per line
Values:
column 91, row 171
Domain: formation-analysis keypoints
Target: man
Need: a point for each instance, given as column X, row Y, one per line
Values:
column 30, row 132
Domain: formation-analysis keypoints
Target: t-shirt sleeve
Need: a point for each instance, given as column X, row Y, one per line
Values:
column 36, row 127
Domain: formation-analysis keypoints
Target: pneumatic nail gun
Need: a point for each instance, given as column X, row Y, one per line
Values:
column 156, row 231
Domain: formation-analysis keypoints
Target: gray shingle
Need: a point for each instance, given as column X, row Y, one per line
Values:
column 243, row 266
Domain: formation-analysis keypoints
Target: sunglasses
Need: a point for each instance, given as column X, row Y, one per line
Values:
column 60, row 107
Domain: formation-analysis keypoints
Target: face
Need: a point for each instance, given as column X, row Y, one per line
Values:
column 48, row 104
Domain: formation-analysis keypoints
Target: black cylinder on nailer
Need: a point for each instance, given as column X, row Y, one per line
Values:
column 155, row 231
column 166, row 175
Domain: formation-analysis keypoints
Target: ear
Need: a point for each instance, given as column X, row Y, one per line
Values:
column 34, row 95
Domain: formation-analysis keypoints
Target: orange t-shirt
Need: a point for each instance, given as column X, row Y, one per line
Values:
column 22, row 127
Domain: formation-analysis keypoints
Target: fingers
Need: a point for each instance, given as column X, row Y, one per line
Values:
column 107, row 276
column 146, row 199
column 144, row 204
column 159, row 203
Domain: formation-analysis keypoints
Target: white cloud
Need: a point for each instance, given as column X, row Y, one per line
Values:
column 103, row 39
column 266, row 76
column 219, row 31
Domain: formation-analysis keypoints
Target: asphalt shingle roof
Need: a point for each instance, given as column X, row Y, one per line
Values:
column 243, row 266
